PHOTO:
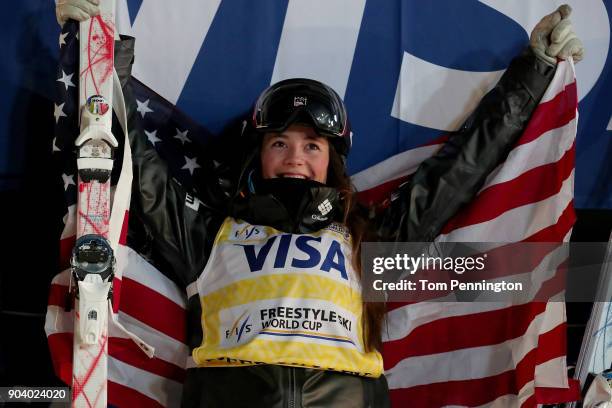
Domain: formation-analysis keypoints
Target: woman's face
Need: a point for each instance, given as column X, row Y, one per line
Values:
column 297, row 152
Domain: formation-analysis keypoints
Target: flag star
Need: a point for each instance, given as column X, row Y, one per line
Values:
column 143, row 107
column 152, row 136
column 62, row 39
column 59, row 112
column 190, row 164
column 55, row 148
column 182, row 136
column 66, row 79
column 68, row 180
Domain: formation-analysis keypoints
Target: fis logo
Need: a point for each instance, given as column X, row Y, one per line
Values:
column 299, row 101
column 239, row 327
column 243, row 233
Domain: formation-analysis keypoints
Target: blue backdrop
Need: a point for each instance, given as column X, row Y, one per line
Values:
column 238, row 56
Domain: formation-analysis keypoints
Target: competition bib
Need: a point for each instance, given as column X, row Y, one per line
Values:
column 270, row 297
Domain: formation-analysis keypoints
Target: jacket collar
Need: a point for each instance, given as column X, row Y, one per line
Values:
column 289, row 205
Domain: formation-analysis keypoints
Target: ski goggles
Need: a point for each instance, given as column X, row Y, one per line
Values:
column 303, row 100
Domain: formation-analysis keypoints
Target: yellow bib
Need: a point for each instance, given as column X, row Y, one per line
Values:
column 270, row 297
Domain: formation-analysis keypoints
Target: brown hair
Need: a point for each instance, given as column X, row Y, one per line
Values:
column 353, row 218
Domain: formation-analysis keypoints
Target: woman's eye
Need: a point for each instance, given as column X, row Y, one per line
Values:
column 313, row 146
column 278, row 143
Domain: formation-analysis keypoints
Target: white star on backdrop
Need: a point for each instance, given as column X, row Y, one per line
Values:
column 55, row 148
column 152, row 137
column 68, row 180
column 62, row 39
column 59, row 112
column 182, row 136
column 143, row 107
column 66, row 79
column 191, row 164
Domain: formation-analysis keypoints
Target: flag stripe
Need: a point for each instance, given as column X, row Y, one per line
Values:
column 166, row 348
column 557, row 112
column 559, row 229
column 533, row 185
column 153, row 309
column 164, row 391
column 479, row 391
column 447, row 334
column 465, row 393
column 126, row 351
column 136, row 268
column 534, row 154
column 518, row 223
column 126, row 396
column 500, row 354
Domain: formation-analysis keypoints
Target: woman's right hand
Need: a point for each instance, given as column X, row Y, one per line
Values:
column 79, row 10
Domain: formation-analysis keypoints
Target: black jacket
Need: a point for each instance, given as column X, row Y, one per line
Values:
column 176, row 230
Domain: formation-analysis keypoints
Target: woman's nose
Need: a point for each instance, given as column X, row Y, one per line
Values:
column 295, row 156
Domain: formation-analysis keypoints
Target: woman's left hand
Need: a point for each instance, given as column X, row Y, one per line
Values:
column 554, row 37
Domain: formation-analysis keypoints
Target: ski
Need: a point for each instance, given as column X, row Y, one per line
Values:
column 92, row 260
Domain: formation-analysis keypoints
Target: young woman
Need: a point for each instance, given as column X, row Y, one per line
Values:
column 272, row 273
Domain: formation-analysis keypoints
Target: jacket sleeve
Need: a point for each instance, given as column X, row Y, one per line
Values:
column 451, row 178
column 168, row 225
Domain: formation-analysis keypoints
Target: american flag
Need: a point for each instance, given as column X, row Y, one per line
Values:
column 435, row 354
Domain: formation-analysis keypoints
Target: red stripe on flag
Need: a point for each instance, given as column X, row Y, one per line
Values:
column 122, row 396
column 550, row 346
column 153, row 309
column 534, row 185
column 554, row 285
column 66, row 246
column 529, row 402
column 449, row 334
column 60, row 346
column 546, row 395
column 117, row 284
column 479, row 391
column 125, row 350
column 377, row 195
column 124, row 229
column 557, row 231
column 552, row 114
column 57, row 295
column 438, row 140
column 464, row 393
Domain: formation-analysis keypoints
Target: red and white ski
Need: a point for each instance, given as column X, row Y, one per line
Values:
column 92, row 259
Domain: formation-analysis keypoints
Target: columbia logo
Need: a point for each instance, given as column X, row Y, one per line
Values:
column 299, row 101
column 325, row 207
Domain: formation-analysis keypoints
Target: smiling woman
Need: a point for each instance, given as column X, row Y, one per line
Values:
column 276, row 315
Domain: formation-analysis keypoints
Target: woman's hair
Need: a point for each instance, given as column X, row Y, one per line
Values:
column 354, row 219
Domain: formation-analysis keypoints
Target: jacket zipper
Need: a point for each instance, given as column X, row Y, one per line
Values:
column 292, row 394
